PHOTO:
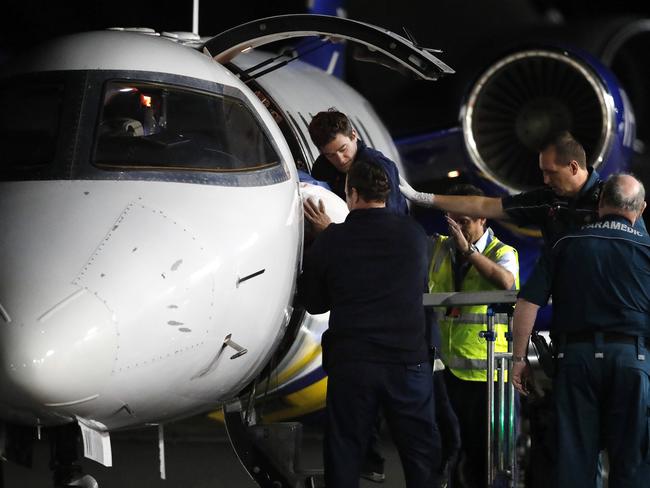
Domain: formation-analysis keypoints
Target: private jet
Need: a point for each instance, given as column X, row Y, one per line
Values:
column 153, row 226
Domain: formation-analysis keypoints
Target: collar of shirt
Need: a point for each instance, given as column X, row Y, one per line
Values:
column 361, row 213
column 592, row 180
column 484, row 240
column 617, row 218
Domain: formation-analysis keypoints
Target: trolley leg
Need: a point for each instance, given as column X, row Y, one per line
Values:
column 489, row 337
column 501, row 423
column 512, row 427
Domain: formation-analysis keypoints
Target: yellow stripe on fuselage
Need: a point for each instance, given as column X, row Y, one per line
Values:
column 308, row 400
column 302, row 402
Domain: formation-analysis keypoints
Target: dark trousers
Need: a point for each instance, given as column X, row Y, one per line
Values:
column 603, row 402
column 448, row 426
column 468, row 399
column 356, row 391
column 374, row 460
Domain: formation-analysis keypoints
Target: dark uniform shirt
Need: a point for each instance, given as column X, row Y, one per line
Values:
column 555, row 215
column 601, row 279
column 370, row 272
column 325, row 171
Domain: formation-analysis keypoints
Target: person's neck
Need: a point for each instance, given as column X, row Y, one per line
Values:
column 363, row 205
column 581, row 180
column 478, row 237
column 617, row 212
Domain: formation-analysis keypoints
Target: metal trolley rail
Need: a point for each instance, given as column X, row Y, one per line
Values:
column 500, row 439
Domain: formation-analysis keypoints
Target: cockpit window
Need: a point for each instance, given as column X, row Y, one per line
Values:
column 151, row 126
column 29, row 125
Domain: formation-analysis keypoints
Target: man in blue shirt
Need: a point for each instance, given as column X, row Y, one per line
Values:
column 370, row 272
column 600, row 282
column 339, row 144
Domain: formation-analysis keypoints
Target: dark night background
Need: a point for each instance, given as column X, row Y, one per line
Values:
column 470, row 33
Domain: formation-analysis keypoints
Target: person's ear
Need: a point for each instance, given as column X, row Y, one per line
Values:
column 354, row 195
column 574, row 167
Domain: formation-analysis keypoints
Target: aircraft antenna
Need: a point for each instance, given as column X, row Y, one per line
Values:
column 195, row 17
column 411, row 38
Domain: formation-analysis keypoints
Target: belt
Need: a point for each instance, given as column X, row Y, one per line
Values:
column 612, row 337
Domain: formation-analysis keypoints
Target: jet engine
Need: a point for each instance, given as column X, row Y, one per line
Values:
column 522, row 97
column 588, row 76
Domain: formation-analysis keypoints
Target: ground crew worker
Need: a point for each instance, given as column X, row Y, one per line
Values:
column 568, row 199
column 370, row 273
column 470, row 259
column 600, row 283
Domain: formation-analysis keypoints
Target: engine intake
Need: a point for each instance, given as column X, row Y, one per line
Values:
column 524, row 97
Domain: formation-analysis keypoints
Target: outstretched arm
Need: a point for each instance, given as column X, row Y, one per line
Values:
column 473, row 206
column 523, row 322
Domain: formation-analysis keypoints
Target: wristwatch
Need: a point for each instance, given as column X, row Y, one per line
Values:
column 472, row 249
column 519, row 359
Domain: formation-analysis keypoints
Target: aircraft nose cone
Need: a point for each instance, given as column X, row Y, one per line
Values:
column 59, row 355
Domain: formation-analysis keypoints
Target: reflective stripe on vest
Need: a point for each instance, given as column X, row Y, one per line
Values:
column 470, row 318
column 478, row 318
column 466, row 363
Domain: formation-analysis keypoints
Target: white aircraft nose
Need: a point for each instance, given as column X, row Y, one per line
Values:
column 58, row 356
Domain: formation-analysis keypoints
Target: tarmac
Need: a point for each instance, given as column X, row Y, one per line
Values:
column 197, row 455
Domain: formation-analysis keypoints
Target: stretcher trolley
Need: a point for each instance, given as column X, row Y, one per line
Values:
column 501, row 422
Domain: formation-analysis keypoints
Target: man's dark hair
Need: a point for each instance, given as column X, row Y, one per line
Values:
column 465, row 189
column 369, row 179
column 567, row 148
column 614, row 194
column 325, row 126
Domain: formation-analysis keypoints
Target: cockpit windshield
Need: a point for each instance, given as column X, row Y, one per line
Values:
column 153, row 126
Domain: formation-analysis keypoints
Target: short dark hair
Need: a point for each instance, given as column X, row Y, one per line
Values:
column 567, row 148
column 369, row 179
column 325, row 126
column 614, row 194
column 465, row 189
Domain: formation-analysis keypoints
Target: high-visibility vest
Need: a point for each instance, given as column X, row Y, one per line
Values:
column 463, row 351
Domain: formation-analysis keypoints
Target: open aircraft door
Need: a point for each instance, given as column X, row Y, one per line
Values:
column 298, row 90
column 293, row 91
column 400, row 52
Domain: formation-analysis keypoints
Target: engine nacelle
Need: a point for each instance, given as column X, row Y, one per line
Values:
column 521, row 98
